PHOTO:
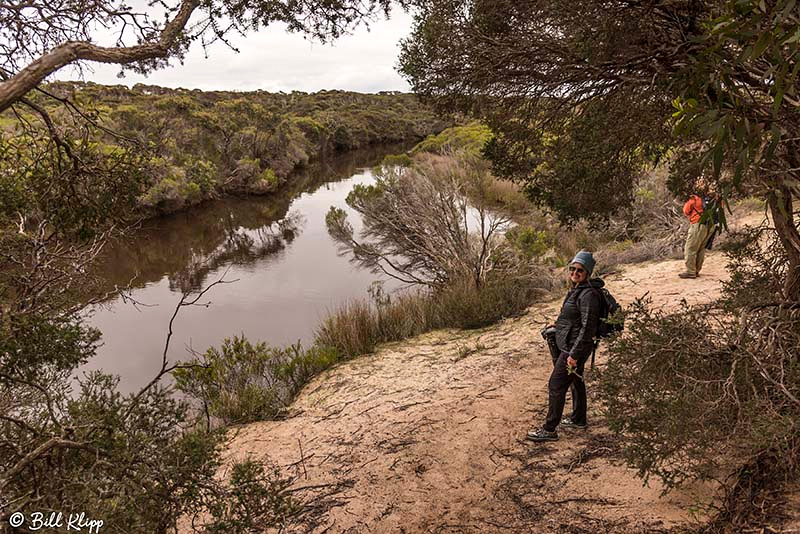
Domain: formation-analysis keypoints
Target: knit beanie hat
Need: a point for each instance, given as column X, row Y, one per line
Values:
column 585, row 258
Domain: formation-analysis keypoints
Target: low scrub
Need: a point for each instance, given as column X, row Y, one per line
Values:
column 241, row 382
column 470, row 138
column 713, row 389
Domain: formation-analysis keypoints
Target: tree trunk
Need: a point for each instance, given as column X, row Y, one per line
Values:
column 780, row 205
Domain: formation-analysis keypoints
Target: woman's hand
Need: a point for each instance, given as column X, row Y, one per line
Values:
column 572, row 362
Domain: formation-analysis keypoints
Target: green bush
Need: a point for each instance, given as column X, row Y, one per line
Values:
column 352, row 329
column 241, row 382
column 530, row 242
column 204, row 174
column 471, row 138
column 461, row 305
column 257, row 498
column 708, row 389
column 400, row 160
column 171, row 194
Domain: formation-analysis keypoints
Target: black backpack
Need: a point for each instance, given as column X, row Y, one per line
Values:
column 710, row 206
column 609, row 308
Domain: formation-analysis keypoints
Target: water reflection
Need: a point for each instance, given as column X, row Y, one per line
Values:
column 288, row 270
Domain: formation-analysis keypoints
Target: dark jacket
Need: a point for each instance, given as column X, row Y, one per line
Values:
column 577, row 323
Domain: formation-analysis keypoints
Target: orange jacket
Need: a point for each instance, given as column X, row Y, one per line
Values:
column 693, row 208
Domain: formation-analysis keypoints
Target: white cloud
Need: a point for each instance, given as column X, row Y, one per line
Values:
column 274, row 60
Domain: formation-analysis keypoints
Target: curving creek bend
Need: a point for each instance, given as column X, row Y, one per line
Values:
column 287, row 270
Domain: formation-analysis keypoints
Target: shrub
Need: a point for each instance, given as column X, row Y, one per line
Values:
column 171, row 194
column 400, row 160
column 241, row 382
column 256, row 498
column 204, row 174
column 352, row 329
column 461, row 305
column 470, row 138
column 708, row 389
column 529, row 241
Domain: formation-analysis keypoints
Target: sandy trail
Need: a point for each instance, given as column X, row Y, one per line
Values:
column 427, row 434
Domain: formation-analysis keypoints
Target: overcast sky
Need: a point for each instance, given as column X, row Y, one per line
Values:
column 274, row 60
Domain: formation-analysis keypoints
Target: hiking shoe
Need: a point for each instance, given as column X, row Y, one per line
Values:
column 687, row 275
column 542, row 435
column 567, row 422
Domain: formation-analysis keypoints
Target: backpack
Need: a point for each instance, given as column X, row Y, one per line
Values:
column 710, row 204
column 609, row 307
column 712, row 220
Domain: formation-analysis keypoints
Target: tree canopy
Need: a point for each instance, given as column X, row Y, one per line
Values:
column 582, row 94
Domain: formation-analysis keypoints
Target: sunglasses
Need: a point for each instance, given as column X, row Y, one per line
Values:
column 576, row 270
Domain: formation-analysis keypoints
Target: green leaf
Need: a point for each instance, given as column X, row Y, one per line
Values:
column 761, row 44
column 776, row 105
column 793, row 39
column 719, row 151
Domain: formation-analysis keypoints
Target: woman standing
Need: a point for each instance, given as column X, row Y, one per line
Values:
column 575, row 329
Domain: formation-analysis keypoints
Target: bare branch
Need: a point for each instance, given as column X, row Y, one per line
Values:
column 32, row 75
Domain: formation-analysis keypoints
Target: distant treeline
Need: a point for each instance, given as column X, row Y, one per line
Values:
column 193, row 145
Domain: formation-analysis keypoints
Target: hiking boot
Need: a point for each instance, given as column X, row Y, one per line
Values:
column 542, row 435
column 567, row 422
column 687, row 275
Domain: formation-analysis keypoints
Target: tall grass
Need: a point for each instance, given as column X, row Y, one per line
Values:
column 358, row 327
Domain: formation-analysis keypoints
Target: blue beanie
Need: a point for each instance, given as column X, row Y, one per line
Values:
column 585, row 258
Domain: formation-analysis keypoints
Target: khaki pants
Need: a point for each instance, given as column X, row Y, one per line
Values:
column 695, row 249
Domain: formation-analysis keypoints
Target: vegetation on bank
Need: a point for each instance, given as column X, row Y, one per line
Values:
column 190, row 146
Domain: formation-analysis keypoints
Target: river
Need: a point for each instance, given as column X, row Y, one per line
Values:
column 284, row 270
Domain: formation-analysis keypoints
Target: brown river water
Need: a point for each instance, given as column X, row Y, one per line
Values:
column 286, row 273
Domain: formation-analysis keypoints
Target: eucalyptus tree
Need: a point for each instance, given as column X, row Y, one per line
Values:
column 583, row 93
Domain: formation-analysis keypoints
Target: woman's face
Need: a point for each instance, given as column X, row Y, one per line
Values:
column 577, row 273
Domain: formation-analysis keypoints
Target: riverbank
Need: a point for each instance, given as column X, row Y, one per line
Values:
column 176, row 148
column 428, row 435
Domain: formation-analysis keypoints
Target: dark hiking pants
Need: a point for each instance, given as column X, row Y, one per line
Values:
column 560, row 382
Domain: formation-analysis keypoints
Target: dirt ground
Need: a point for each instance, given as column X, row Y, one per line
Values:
column 427, row 435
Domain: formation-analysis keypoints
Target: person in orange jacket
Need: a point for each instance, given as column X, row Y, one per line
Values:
column 695, row 247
